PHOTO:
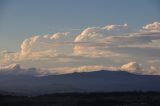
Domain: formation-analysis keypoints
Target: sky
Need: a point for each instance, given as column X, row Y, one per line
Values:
column 59, row 35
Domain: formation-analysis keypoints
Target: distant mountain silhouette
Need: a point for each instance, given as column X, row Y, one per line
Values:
column 97, row 81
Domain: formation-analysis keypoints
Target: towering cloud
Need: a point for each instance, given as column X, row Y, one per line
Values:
column 26, row 46
column 95, row 33
column 38, row 46
column 91, row 40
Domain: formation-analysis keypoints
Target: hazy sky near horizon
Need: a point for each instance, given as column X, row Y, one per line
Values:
column 81, row 33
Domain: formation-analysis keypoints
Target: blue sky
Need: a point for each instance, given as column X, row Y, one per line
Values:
column 20, row 19
column 81, row 35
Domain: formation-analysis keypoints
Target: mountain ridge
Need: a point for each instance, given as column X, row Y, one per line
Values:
column 96, row 81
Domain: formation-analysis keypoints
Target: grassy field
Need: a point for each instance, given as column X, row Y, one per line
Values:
column 85, row 99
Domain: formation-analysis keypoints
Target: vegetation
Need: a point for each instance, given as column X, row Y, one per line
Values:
column 85, row 99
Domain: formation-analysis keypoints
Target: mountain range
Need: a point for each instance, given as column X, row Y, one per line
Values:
column 96, row 81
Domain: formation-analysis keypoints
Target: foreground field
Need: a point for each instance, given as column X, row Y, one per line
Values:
column 85, row 99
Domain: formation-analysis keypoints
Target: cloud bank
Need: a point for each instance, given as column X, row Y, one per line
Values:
column 94, row 48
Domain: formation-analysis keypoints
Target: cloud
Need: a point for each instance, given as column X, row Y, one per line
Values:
column 154, row 70
column 35, row 46
column 64, row 70
column 92, row 34
column 16, row 69
column 88, row 34
column 53, row 45
column 14, row 66
column 113, row 27
column 50, row 46
column 154, row 61
column 94, row 46
column 134, row 67
column 153, row 27
column 94, row 52
column 91, row 39
column 144, row 39
column 26, row 46
column 90, row 68
column 59, row 35
column 131, row 67
column 142, row 46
